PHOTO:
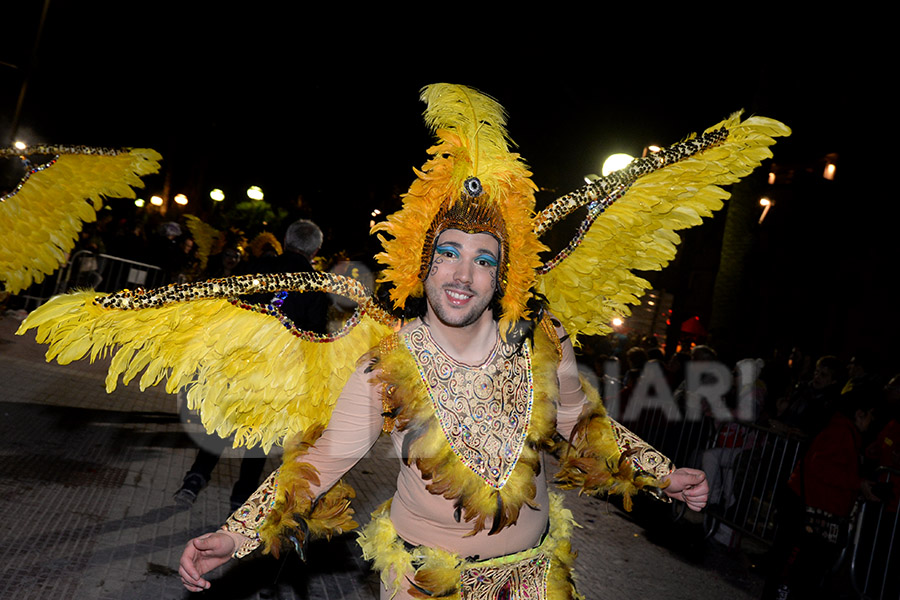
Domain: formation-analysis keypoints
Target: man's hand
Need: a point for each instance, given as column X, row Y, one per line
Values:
column 689, row 486
column 202, row 555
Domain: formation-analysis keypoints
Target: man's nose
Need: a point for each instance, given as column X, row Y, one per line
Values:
column 463, row 272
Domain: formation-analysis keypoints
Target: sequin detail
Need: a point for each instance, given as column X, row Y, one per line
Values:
column 231, row 287
column 247, row 520
column 55, row 151
column 521, row 580
column 644, row 458
column 484, row 411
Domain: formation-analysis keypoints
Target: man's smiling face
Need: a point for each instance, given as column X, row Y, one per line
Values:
column 463, row 277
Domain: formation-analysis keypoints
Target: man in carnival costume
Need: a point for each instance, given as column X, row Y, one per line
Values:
column 473, row 389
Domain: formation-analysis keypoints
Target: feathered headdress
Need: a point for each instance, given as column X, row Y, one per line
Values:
column 473, row 183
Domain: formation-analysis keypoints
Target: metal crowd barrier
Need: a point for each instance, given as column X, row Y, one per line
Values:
column 91, row 270
column 874, row 557
column 753, row 464
column 747, row 466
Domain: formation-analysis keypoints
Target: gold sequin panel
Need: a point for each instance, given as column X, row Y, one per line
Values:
column 644, row 457
column 250, row 516
column 522, row 580
column 483, row 411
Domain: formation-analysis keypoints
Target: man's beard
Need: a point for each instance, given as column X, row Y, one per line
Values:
column 452, row 318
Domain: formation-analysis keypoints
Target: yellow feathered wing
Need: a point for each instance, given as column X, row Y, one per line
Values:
column 637, row 232
column 246, row 373
column 39, row 223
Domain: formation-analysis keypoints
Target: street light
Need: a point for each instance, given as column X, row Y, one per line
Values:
column 616, row 162
column 217, row 195
column 139, row 203
column 766, row 204
column 181, row 199
column 254, row 192
column 156, row 201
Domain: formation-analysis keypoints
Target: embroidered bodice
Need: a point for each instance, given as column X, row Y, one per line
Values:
column 484, row 411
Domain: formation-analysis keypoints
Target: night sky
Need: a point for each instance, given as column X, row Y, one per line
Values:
column 328, row 109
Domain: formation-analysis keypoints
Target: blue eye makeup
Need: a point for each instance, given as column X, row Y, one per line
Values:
column 447, row 250
column 487, row 258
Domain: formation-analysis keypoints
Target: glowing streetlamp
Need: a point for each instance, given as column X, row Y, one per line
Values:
column 139, row 203
column 217, row 195
column 766, row 204
column 254, row 192
column 20, row 145
column 156, row 201
column 181, row 199
column 615, row 163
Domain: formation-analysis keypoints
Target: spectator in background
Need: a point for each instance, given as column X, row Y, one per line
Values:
column 885, row 450
column 164, row 250
column 859, row 371
column 635, row 359
column 224, row 264
column 186, row 265
column 302, row 242
column 808, row 408
column 731, row 439
column 825, row 486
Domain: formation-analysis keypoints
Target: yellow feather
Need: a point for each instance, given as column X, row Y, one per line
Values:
column 230, row 350
column 59, row 199
column 638, row 231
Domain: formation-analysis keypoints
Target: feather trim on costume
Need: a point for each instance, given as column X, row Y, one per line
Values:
column 41, row 218
column 296, row 515
column 436, row 573
column 478, row 503
column 593, row 461
column 226, row 356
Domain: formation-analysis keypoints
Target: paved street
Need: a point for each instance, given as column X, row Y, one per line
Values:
column 86, row 483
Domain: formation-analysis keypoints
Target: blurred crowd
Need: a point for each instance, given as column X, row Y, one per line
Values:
column 843, row 416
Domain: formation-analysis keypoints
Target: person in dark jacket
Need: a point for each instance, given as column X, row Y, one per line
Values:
column 823, row 490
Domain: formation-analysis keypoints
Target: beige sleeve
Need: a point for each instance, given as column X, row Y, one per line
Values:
column 573, row 401
column 354, row 426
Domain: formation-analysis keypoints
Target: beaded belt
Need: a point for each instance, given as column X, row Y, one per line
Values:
column 521, row 579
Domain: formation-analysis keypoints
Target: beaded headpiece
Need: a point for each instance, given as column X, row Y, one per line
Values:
column 472, row 183
column 469, row 214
